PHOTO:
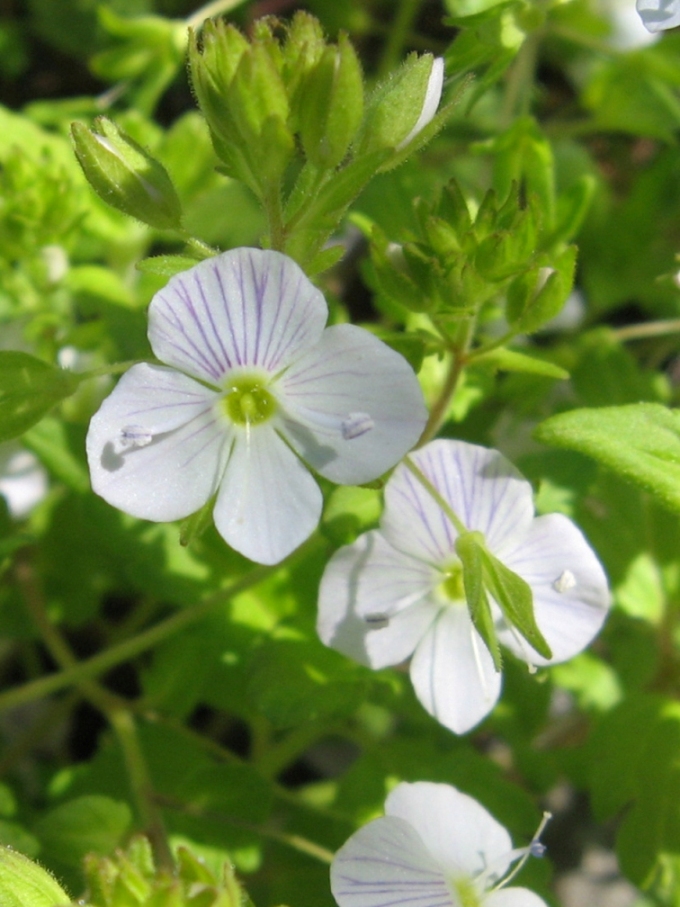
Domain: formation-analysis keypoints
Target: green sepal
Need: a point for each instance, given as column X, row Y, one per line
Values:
column 469, row 547
column 515, row 599
column 126, row 176
column 195, row 525
column 538, row 295
column 29, row 388
column 395, row 105
column 333, row 105
column 25, row 884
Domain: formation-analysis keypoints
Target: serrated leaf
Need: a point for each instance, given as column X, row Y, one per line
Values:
column 640, row 442
column 29, row 388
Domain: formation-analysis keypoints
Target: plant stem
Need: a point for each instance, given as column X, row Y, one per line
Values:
column 398, row 36
column 98, row 664
column 649, row 329
column 211, row 9
column 459, row 359
column 458, row 524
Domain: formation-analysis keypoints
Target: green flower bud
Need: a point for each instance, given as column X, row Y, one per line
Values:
column 403, row 105
column 302, row 51
column 333, row 105
column 25, row 884
column 540, row 293
column 125, row 176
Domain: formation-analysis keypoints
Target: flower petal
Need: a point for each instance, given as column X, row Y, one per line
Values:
column 373, row 604
column 658, row 15
column 245, row 307
column 571, row 596
column 459, row 834
column 433, row 94
column 352, row 406
column 385, row 864
column 268, row 503
column 484, row 490
column 156, row 448
column 453, row 673
column 513, row 897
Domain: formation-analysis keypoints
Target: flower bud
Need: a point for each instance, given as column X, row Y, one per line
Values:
column 333, row 105
column 538, row 295
column 404, row 105
column 25, row 884
column 125, row 176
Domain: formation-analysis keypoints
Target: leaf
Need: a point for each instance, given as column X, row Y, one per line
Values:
column 80, row 826
column 469, row 549
column 640, row 442
column 29, row 388
column 515, row 599
column 25, row 884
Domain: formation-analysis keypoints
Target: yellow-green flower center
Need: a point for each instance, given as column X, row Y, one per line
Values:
column 248, row 402
column 468, row 893
column 452, row 588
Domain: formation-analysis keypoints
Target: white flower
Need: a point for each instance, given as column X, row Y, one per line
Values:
column 398, row 591
column 658, row 15
column 255, row 390
column 435, row 847
column 433, row 94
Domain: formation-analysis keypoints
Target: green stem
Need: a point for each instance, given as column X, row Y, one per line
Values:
column 274, row 209
column 649, row 329
column 492, row 345
column 432, row 491
column 459, row 359
column 123, row 723
column 520, row 82
column 98, row 664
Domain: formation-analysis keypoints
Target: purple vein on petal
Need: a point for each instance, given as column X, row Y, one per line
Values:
column 191, row 351
column 216, row 436
column 225, row 305
column 226, row 362
column 182, row 292
column 413, row 501
column 282, row 342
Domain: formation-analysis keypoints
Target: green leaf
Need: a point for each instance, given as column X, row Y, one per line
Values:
column 511, row 361
column 29, row 388
column 25, row 884
column 91, row 823
column 515, row 599
column 639, row 442
column 166, row 265
column 469, row 550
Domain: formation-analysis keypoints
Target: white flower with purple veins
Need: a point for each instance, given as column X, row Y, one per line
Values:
column 254, row 391
column 434, row 847
column 400, row 592
column 658, row 15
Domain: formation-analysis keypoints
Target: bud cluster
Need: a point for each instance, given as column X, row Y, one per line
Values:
column 457, row 262
column 130, row 879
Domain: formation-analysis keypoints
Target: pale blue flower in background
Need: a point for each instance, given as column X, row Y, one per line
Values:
column 254, row 391
column 397, row 592
column 434, row 847
column 659, row 15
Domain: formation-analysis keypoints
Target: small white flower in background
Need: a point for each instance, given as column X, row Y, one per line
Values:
column 433, row 95
column 255, row 388
column 398, row 592
column 627, row 30
column 23, row 480
column 658, row 15
column 435, row 847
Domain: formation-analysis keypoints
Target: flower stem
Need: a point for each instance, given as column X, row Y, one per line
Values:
column 459, row 359
column 432, row 491
column 398, row 36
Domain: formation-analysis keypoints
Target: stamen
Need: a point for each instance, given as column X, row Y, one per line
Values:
column 356, row 425
column 377, row 621
column 564, row 582
column 534, row 849
column 132, row 437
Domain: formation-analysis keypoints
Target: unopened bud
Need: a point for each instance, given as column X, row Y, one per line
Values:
column 125, row 176
column 404, row 105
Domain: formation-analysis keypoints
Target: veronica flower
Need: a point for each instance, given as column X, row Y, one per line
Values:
column 23, row 481
column 434, row 847
column 253, row 389
column 399, row 592
column 658, row 15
